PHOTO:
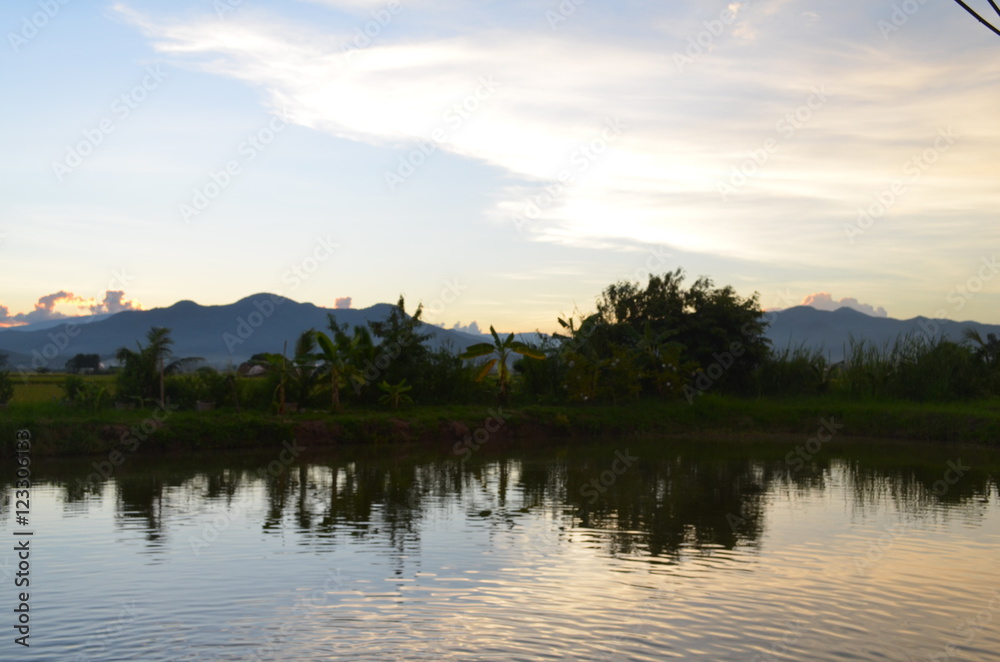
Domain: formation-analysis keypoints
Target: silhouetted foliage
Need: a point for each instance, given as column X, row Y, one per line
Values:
column 402, row 352
column 144, row 369
column 499, row 355
column 707, row 321
column 84, row 362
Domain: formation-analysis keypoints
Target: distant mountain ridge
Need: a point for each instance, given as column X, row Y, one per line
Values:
column 222, row 334
column 831, row 332
column 264, row 322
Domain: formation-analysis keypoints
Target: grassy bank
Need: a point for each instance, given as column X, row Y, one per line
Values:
column 58, row 429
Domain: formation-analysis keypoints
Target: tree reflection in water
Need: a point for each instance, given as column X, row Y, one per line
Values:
column 677, row 497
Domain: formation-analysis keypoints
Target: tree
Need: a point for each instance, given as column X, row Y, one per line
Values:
column 716, row 326
column 988, row 350
column 585, row 354
column 501, row 351
column 277, row 366
column 601, row 363
column 304, row 375
column 343, row 356
column 661, row 359
column 143, row 370
column 296, row 377
column 84, row 362
column 987, row 356
column 402, row 353
column 543, row 381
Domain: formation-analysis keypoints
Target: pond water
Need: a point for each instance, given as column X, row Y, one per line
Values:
column 623, row 550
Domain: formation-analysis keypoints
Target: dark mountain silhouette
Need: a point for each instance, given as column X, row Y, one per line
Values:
column 220, row 334
column 265, row 322
column 831, row 332
column 53, row 323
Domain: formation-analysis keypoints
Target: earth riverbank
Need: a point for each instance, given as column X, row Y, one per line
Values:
column 64, row 431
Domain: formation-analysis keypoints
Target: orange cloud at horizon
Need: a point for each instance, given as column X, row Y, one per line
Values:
column 45, row 309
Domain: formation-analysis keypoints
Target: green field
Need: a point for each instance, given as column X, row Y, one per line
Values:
column 34, row 388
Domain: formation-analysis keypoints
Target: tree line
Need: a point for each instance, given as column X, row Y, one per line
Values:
column 659, row 340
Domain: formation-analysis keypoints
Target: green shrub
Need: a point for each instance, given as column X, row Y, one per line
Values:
column 72, row 386
column 6, row 386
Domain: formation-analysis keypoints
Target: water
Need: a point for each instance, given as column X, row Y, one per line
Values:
column 697, row 550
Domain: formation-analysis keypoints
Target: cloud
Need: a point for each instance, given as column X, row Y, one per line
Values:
column 824, row 301
column 471, row 329
column 114, row 302
column 48, row 302
column 342, row 303
column 45, row 308
column 686, row 130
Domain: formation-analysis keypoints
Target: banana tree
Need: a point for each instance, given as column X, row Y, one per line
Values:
column 277, row 365
column 297, row 375
column 333, row 364
column 303, row 364
column 578, row 351
column 662, row 357
column 395, row 393
column 987, row 351
column 500, row 350
column 344, row 356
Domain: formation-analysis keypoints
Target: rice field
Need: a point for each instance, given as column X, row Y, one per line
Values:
column 33, row 388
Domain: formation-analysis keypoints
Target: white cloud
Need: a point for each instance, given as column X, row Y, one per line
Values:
column 825, row 301
column 545, row 98
column 472, row 328
column 114, row 302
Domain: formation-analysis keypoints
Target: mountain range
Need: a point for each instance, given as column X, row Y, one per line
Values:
column 222, row 335
column 831, row 331
column 231, row 334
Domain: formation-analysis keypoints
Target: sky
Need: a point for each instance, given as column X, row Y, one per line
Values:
column 500, row 162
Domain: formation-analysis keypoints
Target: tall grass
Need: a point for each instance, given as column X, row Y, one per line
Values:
column 913, row 367
column 794, row 371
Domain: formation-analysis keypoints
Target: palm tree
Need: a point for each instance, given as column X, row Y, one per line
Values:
column 142, row 369
column 501, row 351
